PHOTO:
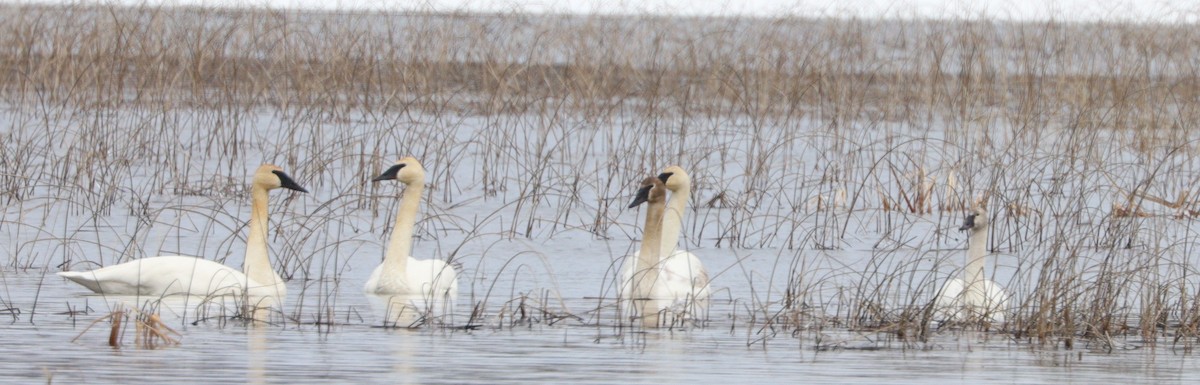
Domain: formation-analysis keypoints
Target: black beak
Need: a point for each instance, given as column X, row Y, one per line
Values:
column 643, row 195
column 664, row 176
column 286, row 181
column 969, row 222
column 390, row 174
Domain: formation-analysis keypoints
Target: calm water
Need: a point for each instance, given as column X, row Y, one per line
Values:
column 330, row 240
column 588, row 349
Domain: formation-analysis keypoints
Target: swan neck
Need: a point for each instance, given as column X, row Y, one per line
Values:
column 646, row 270
column 400, row 245
column 672, row 222
column 976, row 250
column 256, row 265
column 648, row 255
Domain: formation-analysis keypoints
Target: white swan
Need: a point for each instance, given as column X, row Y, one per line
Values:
column 685, row 274
column 400, row 273
column 647, row 280
column 973, row 296
column 181, row 275
column 640, row 279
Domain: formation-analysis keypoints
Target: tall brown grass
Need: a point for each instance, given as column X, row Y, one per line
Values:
column 802, row 135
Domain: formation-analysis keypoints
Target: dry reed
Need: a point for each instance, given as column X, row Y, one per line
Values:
column 805, row 135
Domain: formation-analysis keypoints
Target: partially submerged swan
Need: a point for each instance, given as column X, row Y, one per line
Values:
column 973, row 297
column 181, row 275
column 655, row 284
column 400, row 273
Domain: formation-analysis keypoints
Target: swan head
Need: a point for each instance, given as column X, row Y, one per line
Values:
column 407, row 171
column 271, row 177
column 652, row 190
column 675, row 178
column 977, row 219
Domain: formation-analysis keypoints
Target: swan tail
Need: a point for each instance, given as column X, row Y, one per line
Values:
column 84, row 278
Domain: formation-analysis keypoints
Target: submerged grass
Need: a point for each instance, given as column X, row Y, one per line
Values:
column 126, row 132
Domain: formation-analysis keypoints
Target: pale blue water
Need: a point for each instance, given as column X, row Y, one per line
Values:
column 38, row 347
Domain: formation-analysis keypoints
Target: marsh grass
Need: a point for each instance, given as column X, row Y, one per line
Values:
column 846, row 148
column 149, row 330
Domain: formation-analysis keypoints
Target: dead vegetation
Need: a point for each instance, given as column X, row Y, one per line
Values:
column 803, row 136
column 148, row 329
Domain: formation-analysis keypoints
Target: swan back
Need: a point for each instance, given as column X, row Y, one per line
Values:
column 168, row 275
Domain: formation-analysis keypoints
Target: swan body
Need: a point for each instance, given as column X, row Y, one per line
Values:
column 424, row 276
column 167, row 275
column 988, row 299
column 681, row 280
column 182, row 275
column 400, row 273
column 973, row 296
